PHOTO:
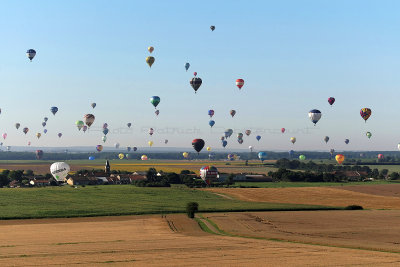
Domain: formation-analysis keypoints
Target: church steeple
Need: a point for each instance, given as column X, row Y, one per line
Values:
column 107, row 167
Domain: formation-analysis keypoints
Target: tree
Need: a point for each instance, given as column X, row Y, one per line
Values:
column 151, row 175
column 230, row 179
column 16, row 175
column 394, row 176
column 29, row 173
column 191, row 209
column 4, row 181
column 173, row 178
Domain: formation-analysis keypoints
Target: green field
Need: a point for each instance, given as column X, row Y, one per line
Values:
column 16, row 203
column 307, row 184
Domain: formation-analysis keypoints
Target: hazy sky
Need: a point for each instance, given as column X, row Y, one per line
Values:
column 293, row 55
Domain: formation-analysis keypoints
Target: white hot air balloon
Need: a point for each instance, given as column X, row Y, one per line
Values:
column 314, row 115
column 59, row 170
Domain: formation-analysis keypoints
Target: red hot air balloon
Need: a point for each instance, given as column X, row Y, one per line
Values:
column 331, row 100
column 380, row 156
column 239, row 83
column 283, row 130
column 195, row 73
column 365, row 113
column 198, row 144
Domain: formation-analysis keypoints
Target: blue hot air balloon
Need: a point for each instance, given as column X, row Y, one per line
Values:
column 258, row 137
column 291, row 152
column 224, row 143
column 211, row 123
column 91, row 158
column 262, row 156
column 54, row 110
column 105, row 131
column 314, row 115
column 187, row 65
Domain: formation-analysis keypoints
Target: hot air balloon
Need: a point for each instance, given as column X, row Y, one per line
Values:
column 293, row 140
column 150, row 143
column 326, row 139
column 134, row 148
column 314, row 115
column 224, row 143
column 4, row 136
column 380, row 156
column 198, row 144
column 211, row 123
column 25, row 130
column 212, row 27
column 187, row 66
column 54, row 110
column 398, row 146
column 262, row 156
column 129, row 124
column 45, row 131
column 144, row 157
column 59, row 170
column 121, row 156
column 88, row 119
column 150, row 61
column 291, row 153
column 368, row 134
column 29, row 143
column 38, row 135
column 45, row 119
column 211, row 113
column 31, row 53
column 208, row 148
column 195, row 73
column 39, row 154
column 247, row 132
column 127, row 156
column 8, row 148
column 331, row 100
column 91, row 158
column 151, row 131
column 240, row 140
column 185, row 155
column 365, row 113
column 283, row 130
column 347, row 141
column 302, row 157
column 157, row 112
column 251, row 148
column 105, row 125
column 232, row 112
column 196, row 82
column 231, row 157
column 128, row 148
column 166, row 141
column 17, row 125
column 105, row 131
column 104, row 138
column 332, row 151
column 208, row 174
column 43, row 124
column 151, row 49
column 79, row 124
column 258, row 137
column 59, row 135
column 116, row 145
column 93, row 105
column 222, row 138
column 84, row 128
column 239, row 135
column 339, row 158
column 239, row 83
column 155, row 100
column 228, row 133
column 99, row 148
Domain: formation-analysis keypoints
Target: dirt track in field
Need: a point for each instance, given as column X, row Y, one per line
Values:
column 152, row 241
column 370, row 197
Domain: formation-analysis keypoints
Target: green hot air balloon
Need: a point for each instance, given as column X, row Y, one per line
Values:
column 155, row 100
column 302, row 157
column 79, row 124
column 368, row 134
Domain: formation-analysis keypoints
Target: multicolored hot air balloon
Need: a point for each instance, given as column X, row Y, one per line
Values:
column 211, row 123
column 88, row 119
column 25, row 130
column 144, row 157
column 54, row 110
column 198, row 144
column 155, row 100
column 262, row 156
column 151, row 131
column 326, row 139
column 38, row 135
column 365, row 113
column 247, row 132
column 331, row 100
column 368, row 134
column 340, row 158
column 196, row 82
column 239, row 83
column 31, row 53
column 211, row 113
column 380, row 156
column 187, row 66
column 293, row 140
column 258, row 137
column 208, row 174
column 314, row 115
column 157, row 112
column 232, row 112
column 99, row 148
column 150, row 49
column 150, row 61
column 39, row 154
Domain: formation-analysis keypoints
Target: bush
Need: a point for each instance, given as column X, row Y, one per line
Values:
column 354, row 207
column 191, row 208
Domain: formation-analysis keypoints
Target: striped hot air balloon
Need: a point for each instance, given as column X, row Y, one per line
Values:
column 239, row 83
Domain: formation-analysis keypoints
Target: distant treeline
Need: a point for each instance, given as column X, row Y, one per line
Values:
column 351, row 157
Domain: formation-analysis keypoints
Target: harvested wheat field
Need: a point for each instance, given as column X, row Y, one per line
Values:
column 390, row 190
column 366, row 229
column 327, row 196
column 156, row 241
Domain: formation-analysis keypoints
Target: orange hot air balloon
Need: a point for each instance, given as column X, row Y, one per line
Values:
column 340, row 158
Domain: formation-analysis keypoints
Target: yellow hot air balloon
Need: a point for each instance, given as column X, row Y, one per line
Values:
column 150, row 61
column 151, row 49
column 150, row 143
column 293, row 140
column 121, row 156
column 38, row 135
column 339, row 158
column 144, row 157
column 208, row 148
column 185, row 155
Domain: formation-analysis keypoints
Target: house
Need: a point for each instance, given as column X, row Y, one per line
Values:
column 14, row 184
column 137, row 177
column 41, row 182
column 102, row 180
column 113, row 180
column 124, row 178
column 139, row 173
column 82, row 180
column 351, row 175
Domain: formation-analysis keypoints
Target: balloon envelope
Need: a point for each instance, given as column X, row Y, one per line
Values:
column 339, row 158
column 59, row 170
column 314, row 115
column 302, row 157
column 187, row 65
column 99, row 148
column 88, row 119
column 150, row 61
column 211, row 123
column 54, row 110
column 262, row 156
column 365, row 113
column 144, row 157
column 155, row 100
column 198, row 144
